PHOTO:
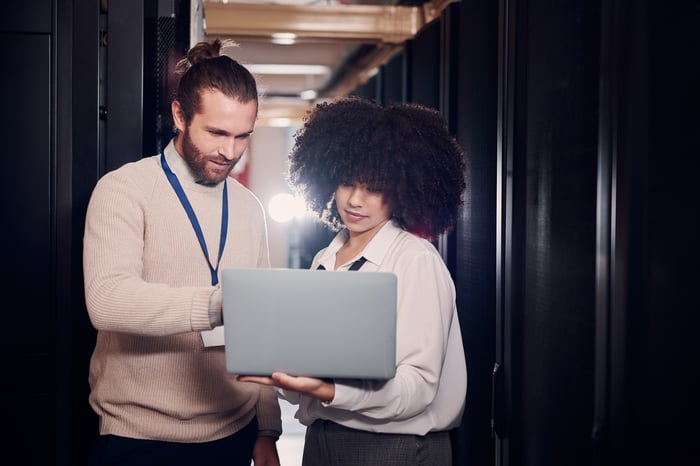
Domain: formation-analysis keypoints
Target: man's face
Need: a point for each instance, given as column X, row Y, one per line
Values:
column 217, row 136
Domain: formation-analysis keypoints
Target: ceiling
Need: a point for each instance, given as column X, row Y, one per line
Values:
column 303, row 51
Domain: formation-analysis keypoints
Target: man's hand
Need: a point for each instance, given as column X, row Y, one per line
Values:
column 321, row 389
column 265, row 452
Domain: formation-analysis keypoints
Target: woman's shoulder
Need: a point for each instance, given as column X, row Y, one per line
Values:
column 411, row 241
column 410, row 247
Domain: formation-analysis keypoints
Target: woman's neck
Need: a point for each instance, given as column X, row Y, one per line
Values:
column 356, row 242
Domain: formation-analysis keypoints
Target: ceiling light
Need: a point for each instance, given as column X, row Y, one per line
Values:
column 279, row 122
column 308, row 94
column 289, row 69
column 284, row 38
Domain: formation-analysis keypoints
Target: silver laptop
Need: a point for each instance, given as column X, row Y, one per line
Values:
column 310, row 322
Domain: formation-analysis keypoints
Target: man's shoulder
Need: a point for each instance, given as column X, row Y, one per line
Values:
column 143, row 165
column 241, row 193
column 138, row 178
column 135, row 171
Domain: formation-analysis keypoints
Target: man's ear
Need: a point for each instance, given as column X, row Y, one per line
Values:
column 178, row 116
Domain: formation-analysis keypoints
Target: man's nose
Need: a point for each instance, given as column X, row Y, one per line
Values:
column 228, row 149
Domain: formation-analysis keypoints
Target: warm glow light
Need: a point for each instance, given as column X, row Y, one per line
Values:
column 284, row 207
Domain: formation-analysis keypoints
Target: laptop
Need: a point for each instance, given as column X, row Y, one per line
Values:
column 309, row 322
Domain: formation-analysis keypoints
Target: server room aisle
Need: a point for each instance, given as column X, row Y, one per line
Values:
column 291, row 443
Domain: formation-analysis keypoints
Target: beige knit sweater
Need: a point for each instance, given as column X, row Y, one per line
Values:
column 148, row 291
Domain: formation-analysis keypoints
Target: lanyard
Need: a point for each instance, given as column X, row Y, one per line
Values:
column 175, row 183
column 355, row 265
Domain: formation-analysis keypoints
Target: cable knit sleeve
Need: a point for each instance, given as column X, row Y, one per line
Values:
column 125, row 274
column 268, row 412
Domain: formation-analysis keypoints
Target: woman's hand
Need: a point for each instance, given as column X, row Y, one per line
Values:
column 322, row 389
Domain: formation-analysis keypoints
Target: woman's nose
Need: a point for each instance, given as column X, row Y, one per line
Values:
column 356, row 195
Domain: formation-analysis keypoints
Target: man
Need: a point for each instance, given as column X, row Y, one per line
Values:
column 158, row 232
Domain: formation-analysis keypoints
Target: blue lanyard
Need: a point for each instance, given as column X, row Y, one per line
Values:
column 175, row 183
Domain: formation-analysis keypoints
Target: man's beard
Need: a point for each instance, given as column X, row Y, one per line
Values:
column 197, row 160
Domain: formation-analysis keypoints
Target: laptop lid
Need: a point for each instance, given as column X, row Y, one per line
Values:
column 309, row 322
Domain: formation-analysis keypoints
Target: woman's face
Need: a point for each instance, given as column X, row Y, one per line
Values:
column 360, row 209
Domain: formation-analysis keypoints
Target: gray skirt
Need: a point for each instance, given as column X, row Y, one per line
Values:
column 330, row 444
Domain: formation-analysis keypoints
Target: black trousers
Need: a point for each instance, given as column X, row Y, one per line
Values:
column 234, row 450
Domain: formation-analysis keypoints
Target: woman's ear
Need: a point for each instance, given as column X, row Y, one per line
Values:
column 178, row 116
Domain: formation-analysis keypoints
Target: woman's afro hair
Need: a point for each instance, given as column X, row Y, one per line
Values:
column 403, row 150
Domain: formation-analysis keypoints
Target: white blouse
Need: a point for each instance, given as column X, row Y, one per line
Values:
column 428, row 392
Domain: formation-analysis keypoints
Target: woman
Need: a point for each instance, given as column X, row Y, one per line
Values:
column 389, row 180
